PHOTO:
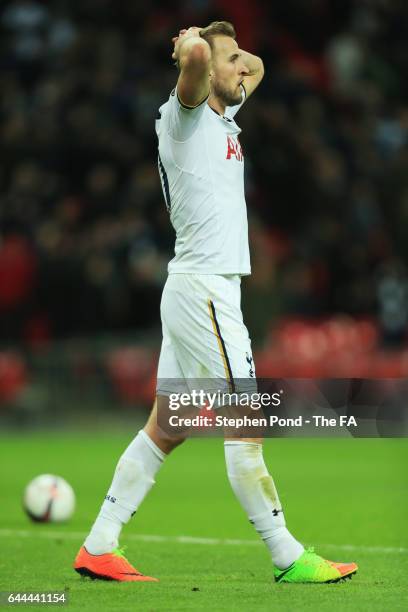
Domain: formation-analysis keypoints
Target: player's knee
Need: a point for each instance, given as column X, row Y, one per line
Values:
column 165, row 442
column 167, row 445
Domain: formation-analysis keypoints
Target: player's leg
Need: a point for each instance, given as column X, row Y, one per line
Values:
column 137, row 467
column 250, row 479
column 133, row 478
column 255, row 489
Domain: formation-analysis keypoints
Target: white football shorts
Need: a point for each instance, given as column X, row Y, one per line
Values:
column 204, row 336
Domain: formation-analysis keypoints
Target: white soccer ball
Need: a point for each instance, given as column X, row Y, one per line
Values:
column 49, row 499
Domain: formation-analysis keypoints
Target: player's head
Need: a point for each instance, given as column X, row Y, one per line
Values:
column 228, row 68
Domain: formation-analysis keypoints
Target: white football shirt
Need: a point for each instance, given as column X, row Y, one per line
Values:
column 201, row 168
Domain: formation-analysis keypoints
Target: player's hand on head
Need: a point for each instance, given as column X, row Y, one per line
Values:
column 183, row 34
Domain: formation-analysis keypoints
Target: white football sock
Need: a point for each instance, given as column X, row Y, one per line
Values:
column 256, row 491
column 133, row 479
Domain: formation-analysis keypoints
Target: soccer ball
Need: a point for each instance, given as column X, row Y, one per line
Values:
column 49, row 499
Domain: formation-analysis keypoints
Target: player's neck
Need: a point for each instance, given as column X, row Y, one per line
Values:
column 216, row 105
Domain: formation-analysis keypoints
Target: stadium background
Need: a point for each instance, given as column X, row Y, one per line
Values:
column 85, row 237
column 84, row 244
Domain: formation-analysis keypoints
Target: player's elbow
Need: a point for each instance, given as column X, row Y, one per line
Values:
column 259, row 69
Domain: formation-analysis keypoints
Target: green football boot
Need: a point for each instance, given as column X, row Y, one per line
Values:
column 313, row 568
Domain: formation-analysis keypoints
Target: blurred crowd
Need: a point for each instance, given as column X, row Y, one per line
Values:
column 84, row 233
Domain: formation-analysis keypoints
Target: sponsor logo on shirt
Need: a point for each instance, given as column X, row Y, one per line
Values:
column 234, row 148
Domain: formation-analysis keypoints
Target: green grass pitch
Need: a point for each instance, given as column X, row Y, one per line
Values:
column 347, row 497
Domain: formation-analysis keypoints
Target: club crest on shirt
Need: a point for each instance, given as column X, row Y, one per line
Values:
column 250, row 361
column 234, row 148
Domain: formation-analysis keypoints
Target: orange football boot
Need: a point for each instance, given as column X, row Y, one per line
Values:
column 109, row 566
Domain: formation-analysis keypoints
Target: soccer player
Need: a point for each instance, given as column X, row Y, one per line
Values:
column 201, row 167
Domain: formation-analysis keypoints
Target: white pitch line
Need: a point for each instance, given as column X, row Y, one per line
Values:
column 138, row 537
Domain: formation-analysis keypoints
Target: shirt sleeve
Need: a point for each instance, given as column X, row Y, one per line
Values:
column 182, row 121
column 231, row 111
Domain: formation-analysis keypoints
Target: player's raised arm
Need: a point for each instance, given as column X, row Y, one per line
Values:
column 193, row 55
column 256, row 71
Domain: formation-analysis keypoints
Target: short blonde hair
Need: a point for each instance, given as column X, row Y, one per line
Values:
column 217, row 28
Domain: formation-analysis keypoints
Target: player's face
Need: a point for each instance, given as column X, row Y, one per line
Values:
column 228, row 70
